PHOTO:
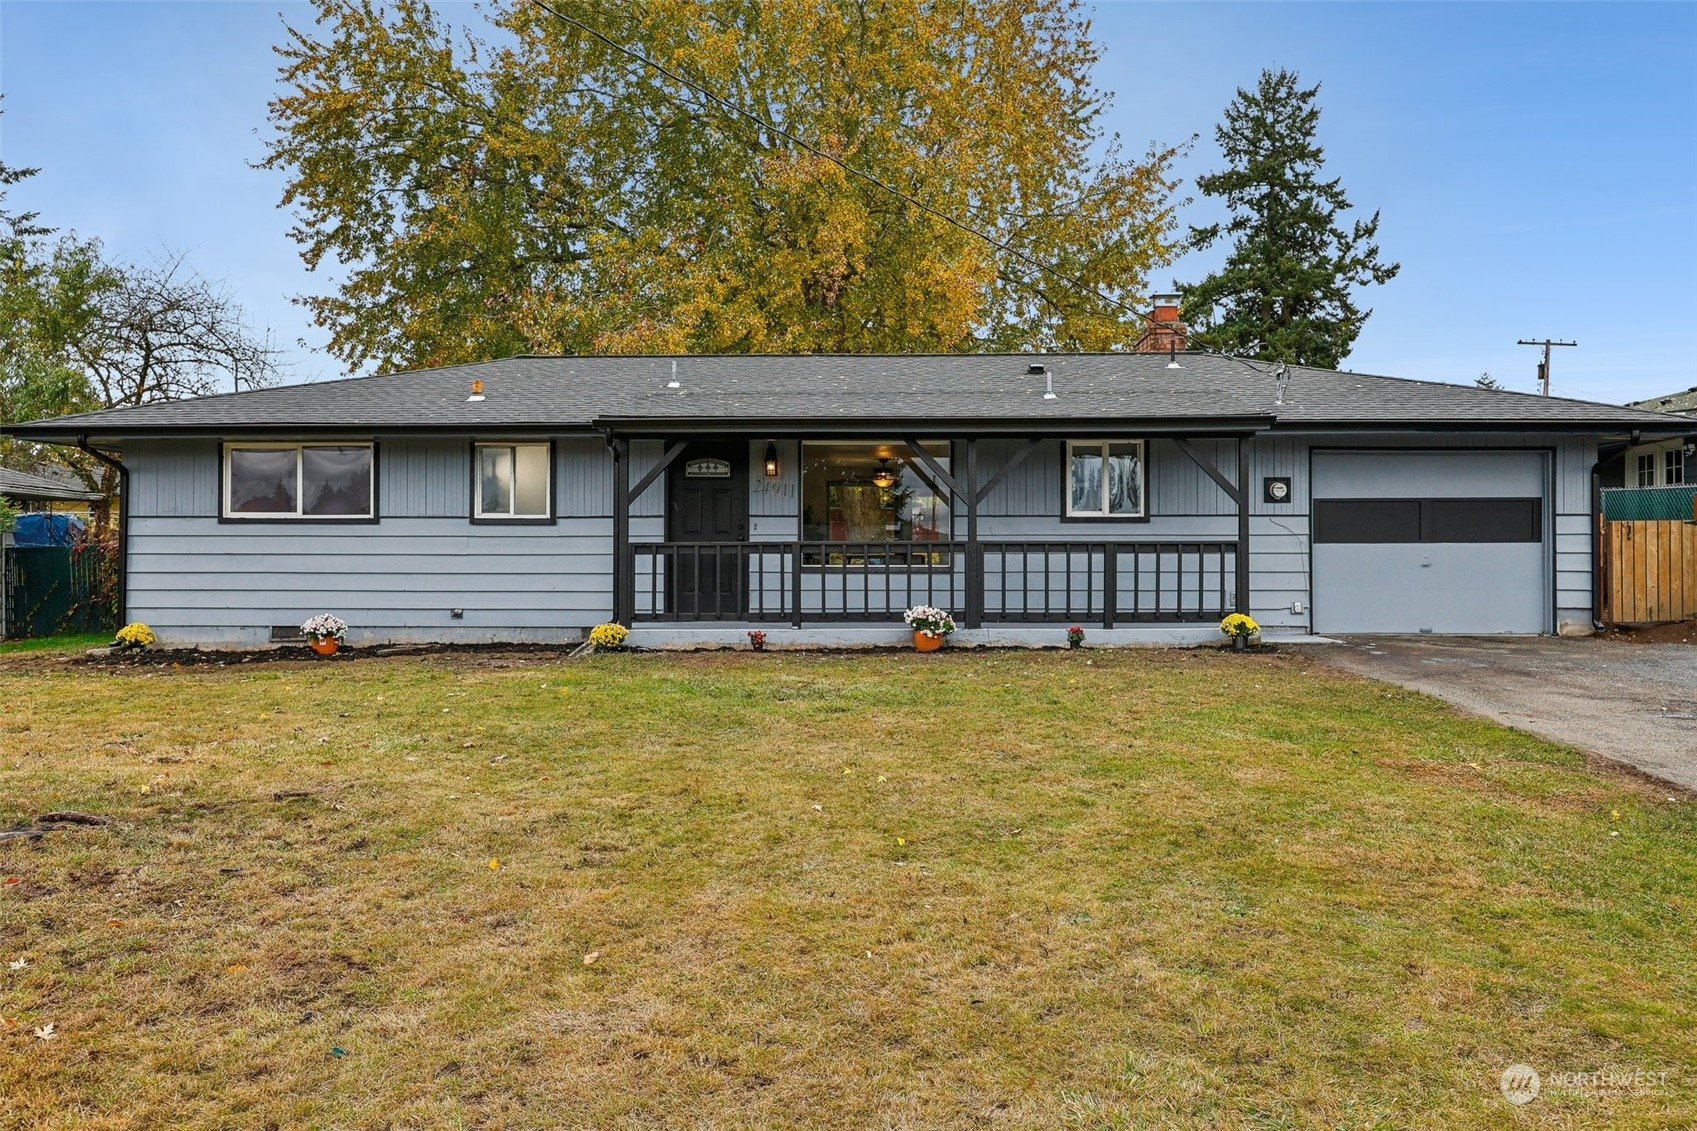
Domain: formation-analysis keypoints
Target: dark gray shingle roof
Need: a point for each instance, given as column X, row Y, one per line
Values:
column 883, row 390
column 23, row 485
column 1685, row 404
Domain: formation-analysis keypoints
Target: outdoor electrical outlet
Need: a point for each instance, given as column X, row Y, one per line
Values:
column 1296, row 606
column 457, row 614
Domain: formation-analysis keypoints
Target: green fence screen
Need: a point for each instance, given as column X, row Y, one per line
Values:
column 1643, row 504
column 53, row 589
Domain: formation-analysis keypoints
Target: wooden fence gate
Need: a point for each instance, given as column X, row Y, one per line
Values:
column 1649, row 571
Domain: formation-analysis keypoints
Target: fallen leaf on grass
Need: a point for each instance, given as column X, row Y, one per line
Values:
column 589, row 959
column 114, row 922
column 495, row 865
column 235, row 968
column 1614, row 814
column 467, row 744
column 46, row 1032
column 13, row 880
column 818, row 808
column 901, row 840
column 18, row 963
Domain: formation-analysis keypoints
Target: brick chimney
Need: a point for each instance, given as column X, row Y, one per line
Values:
column 1163, row 331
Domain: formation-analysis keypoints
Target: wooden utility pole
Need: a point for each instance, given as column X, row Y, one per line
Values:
column 1544, row 366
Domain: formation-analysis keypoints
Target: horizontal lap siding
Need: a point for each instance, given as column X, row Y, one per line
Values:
column 195, row 579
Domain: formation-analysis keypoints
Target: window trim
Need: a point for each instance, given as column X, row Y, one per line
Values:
column 1674, row 458
column 1646, row 464
column 1070, row 515
column 474, row 504
column 226, row 515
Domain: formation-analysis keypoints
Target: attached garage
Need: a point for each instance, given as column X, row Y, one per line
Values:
column 1449, row 541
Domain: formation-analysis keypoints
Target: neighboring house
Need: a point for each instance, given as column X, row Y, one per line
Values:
column 1143, row 495
column 1660, row 461
column 29, row 492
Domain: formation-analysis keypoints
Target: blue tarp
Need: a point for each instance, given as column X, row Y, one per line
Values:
column 47, row 530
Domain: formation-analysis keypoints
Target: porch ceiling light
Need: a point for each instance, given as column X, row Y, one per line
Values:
column 885, row 476
column 771, row 459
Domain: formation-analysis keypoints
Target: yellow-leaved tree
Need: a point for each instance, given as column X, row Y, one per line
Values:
column 527, row 186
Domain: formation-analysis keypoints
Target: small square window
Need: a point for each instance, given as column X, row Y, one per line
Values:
column 1105, row 479
column 513, row 481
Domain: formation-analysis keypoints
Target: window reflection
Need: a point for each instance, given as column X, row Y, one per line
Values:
column 877, row 497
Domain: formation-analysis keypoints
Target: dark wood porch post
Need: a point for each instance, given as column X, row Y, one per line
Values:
column 974, row 552
column 1242, row 525
column 624, row 577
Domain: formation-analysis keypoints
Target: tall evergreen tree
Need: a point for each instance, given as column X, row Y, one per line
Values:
column 1285, row 291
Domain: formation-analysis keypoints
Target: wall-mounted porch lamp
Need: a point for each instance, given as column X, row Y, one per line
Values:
column 771, row 459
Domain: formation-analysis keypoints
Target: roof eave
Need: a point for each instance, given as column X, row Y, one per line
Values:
column 646, row 427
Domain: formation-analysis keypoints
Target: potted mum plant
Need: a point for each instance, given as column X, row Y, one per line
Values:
column 1075, row 636
column 930, row 625
column 1242, row 629
column 324, row 632
column 133, row 637
column 757, row 640
column 609, row 637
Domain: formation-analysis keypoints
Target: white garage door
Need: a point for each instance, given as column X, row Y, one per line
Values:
column 1450, row 541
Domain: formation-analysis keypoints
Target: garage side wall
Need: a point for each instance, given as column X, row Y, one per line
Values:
column 1282, row 536
column 196, row 580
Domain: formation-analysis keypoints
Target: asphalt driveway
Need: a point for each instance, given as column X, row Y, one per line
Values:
column 1632, row 703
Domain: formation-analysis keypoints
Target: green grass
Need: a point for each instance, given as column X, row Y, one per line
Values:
column 1055, row 890
column 73, row 641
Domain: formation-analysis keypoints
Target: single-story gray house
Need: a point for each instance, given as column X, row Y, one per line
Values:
column 1141, row 495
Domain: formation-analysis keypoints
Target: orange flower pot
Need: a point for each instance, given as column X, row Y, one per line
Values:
column 925, row 642
column 326, row 647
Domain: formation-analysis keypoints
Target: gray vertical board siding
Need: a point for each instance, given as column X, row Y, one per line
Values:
column 179, row 478
column 424, row 477
column 778, row 497
column 583, row 477
column 1037, row 487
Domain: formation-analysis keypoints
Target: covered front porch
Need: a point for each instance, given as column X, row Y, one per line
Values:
column 710, row 572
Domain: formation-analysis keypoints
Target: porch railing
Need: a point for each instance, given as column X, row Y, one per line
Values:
column 1105, row 582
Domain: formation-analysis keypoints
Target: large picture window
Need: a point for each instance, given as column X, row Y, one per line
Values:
column 302, row 481
column 1105, row 479
column 877, row 497
column 514, row 481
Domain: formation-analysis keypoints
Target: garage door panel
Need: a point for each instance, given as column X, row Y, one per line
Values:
column 1427, row 475
column 1429, row 588
column 1442, row 542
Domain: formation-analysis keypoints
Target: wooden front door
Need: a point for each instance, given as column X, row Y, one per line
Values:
column 707, row 521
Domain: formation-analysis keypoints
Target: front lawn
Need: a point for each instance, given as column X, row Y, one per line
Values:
column 1055, row 890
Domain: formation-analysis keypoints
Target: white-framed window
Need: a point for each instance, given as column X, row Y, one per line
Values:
column 513, row 481
column 1673, row 466
column 1105, row 479
column 269, row 481
column 1647, row 469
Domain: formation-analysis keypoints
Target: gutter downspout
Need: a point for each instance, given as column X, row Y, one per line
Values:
column 1597, row 624
column 123, row 524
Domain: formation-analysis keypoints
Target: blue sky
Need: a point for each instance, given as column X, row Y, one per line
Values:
column 1535, row 164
